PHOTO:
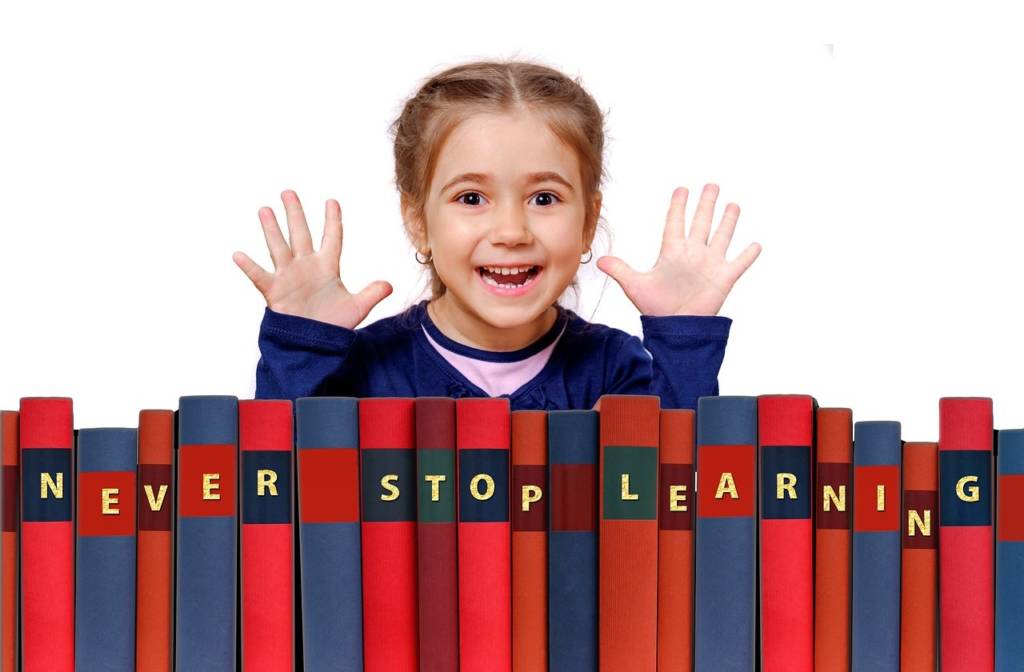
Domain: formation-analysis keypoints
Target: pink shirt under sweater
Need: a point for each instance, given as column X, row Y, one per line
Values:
column 495, row 373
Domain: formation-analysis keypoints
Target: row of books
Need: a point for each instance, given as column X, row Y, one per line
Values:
column 439, row 534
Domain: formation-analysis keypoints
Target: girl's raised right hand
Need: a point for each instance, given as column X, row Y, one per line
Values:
column 304, row 282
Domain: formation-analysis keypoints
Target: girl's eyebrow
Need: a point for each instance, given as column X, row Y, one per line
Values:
column 532, row 178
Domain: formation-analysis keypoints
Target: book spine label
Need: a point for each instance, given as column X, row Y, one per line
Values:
column 327, row 442
column 207, row 550
column 628, row 538
column 47, row 535
column 268, row 624
column 833, row 523
column 105, row 554
column 572, row 541
column 529, row 542
column 919, row 570
column 725, row 610
column 675, row 539
column 1009, row 594
column 484, row 534
column 876, row 546
column 9, row 500
column 785, row 434
column 965, row 535
column 387, row 434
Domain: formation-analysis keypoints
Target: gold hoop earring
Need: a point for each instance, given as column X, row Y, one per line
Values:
column 587, row 260
column 426, row 259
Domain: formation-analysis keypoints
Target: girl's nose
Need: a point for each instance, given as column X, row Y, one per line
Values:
column 510, row 227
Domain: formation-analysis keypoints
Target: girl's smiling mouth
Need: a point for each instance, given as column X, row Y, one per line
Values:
column 509, row 280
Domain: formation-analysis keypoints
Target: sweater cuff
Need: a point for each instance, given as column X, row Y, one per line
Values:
column 307, row 330
column 706, row 326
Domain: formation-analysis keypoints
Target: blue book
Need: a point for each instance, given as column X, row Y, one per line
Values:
column 206, row 611
column 1010, row 551
column 726, row 535
column 572, row 540
column 330, row 571
column 105, row 549
column 877, row 451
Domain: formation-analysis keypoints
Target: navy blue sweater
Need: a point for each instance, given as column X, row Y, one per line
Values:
column 678, row 360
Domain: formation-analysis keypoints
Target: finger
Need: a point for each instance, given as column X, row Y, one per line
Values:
column 723, row 234
column 740, row 264
column 702, row 217
column 298, row 230
column 675, row 221
column 620, row 271
column 280, row 253
column 254, row 271
column 330, row 244
column 372, row 294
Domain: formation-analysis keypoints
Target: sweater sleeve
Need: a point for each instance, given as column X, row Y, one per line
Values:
column 678, row 359
column 302, row 357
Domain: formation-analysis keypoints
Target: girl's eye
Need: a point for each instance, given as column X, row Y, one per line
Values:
column 549, row 195
column 476, row 197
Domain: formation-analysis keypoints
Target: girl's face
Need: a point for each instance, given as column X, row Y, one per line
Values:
column 505, row 219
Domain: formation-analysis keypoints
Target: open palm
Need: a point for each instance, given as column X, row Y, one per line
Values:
column 304, row 282
column 691, row 275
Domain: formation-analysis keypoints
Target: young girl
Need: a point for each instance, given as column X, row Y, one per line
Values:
column 499, row 169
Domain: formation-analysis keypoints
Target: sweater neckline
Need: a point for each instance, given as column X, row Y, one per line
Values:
column 490, row 355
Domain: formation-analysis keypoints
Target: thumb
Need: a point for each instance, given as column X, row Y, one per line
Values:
column 372, row 294
column 620, row 271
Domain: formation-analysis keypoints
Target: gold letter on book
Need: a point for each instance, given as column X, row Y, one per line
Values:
column 677, row 498
column 265, row 480
column 830, row 497
column 923, row 524
column 785, row 482
column 880, row 498
column 726, row 486
column 971, row 494
column 387, row 481
column 157, row 503
column 474, row 487
column 435, row 487
column 107, row 495
column 531, row 494
column 46, row 482
column 209, row 485
column 626, row 494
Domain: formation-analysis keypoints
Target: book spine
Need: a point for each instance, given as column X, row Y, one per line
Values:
column 675, row 539
column 265, row 436
column 437, row 549
column 207, row 549
column 9, row 500
column 46, row 431
column 724, row 614
column 529, row 542
column 105, row 554
column 785, row 431
column 876, row 546
column 572, row 541
column 919, row 568
column 965, row 535
column 833, row 522
column 327, row 443
column 155, row 545
column 484, row 534
column 628, row 536
column 387, row 449
column 1009, row 594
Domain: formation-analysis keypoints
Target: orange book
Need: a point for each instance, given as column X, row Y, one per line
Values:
column 9, row 554
column 919, row 589
column 529, row 542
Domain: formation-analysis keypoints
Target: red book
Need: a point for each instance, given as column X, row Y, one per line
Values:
column 919, row 570
column 966, row 579
column 265, row 431
column 485, row 565
column 675, row 539
column 387, row 452
column 833, row 524
column 9, row 543
column 628, row 534
column 785, row 430
column 47, row 535
column 154, row 618
column 529, row 541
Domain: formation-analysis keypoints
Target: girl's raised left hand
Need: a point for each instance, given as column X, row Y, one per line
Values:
column 691, row 275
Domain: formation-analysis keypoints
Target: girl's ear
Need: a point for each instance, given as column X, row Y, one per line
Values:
column 415, row 227
column 590, row 227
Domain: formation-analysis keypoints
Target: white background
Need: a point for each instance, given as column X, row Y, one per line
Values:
column 881, row 175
